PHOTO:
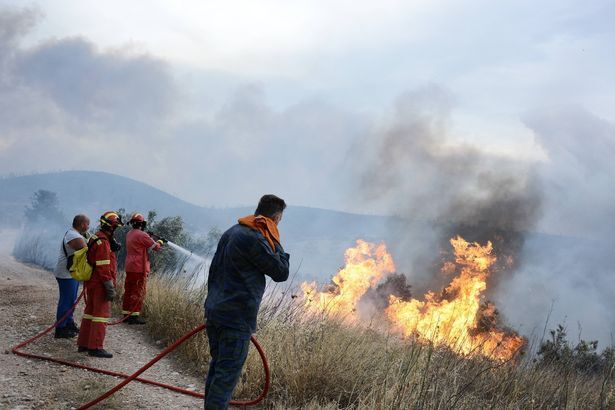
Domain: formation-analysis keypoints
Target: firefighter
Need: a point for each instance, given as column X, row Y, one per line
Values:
column 138, row 244
column 100, row 289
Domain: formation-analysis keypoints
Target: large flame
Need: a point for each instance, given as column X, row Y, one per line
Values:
column 456, row 318
column 366, row 265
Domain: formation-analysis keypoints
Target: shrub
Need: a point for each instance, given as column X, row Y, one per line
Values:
column 584, row 357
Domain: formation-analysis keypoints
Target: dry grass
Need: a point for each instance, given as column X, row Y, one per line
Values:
column 320, row 363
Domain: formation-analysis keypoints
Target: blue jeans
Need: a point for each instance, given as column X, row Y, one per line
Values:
column 229, row 350
column 69, row 288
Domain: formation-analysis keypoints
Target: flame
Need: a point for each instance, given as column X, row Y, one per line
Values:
column 366, row 265
column 457, row 318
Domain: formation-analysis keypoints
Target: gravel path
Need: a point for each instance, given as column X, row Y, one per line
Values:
column 28, row 298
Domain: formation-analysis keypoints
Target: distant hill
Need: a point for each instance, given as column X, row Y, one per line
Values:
column 95, row 192
column 317, row 237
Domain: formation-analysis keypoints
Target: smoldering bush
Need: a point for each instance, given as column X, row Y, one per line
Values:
column 40, row 240
column 40, row 247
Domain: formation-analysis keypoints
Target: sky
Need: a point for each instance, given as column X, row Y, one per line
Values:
column 217, row 102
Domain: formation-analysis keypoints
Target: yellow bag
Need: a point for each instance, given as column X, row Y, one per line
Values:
column 78, row 265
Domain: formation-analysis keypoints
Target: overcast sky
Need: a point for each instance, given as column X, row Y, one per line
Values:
column 218, row 102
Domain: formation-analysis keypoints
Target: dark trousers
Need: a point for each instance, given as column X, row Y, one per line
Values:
column 228, row 349
column 69, row 288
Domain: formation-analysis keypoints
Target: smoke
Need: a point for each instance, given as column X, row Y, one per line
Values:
column 570, row 274
column 551, row 221
column 64, row 103
column 68, row 104
column 439, row 187
column 375, row 301
column 40, row 244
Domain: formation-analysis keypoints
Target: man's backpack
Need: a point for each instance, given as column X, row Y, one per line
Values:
column 77, row 263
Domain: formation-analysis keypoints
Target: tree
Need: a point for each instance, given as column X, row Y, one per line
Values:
column 44, row 207
column 583, row 357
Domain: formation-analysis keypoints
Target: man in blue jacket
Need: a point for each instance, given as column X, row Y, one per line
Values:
column 245, row 254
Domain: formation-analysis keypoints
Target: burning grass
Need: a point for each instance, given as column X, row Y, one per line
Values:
column 457, row 318
column 318, row 361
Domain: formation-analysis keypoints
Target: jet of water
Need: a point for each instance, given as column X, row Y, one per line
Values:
column 185, row 252
column 190, row 266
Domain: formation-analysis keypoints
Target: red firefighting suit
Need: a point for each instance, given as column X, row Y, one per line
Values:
column 97, row 307
column 138, row 243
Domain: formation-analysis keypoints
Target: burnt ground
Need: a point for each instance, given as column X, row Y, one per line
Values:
column 28, row 298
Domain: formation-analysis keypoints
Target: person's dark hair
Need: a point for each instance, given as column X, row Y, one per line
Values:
column 270, row 205
column 79, row 219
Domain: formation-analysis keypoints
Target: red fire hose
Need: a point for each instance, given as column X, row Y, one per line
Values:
column 128, row 378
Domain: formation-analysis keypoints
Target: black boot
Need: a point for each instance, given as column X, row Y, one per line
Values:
column 73, row 326
column 135, row 320
column 64, row 333
column 100, row 353
column 82, row 349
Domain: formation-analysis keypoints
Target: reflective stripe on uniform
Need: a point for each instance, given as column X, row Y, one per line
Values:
column 103, row 262
column 96, row 319
column 96, row 239
column 126, row 312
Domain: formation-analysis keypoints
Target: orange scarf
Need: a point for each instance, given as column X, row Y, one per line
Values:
column 263, row 225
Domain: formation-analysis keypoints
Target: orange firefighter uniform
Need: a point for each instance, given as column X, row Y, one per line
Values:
column 97, row 304
column 138, row 243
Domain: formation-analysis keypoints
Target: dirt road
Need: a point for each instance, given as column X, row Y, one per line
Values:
column 27, row 305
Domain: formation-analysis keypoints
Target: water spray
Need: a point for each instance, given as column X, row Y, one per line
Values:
column 190, row 265
column 185, row 252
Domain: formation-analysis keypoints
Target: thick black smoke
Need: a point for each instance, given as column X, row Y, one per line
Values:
column 551, row 221
column 375, row 301
column 441, row 188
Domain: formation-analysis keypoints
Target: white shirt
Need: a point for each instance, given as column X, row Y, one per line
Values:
column 61, row 272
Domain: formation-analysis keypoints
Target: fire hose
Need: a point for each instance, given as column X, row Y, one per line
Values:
column 135, row 376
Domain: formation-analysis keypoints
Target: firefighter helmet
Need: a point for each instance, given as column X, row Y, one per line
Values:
column 138, row 221
column 137, row 217
column 111, row 219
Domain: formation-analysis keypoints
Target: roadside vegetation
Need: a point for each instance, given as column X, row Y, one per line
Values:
column 321, row 362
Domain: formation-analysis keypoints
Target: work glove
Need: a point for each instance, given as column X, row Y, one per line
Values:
column 110, row 290
column 160, row 242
